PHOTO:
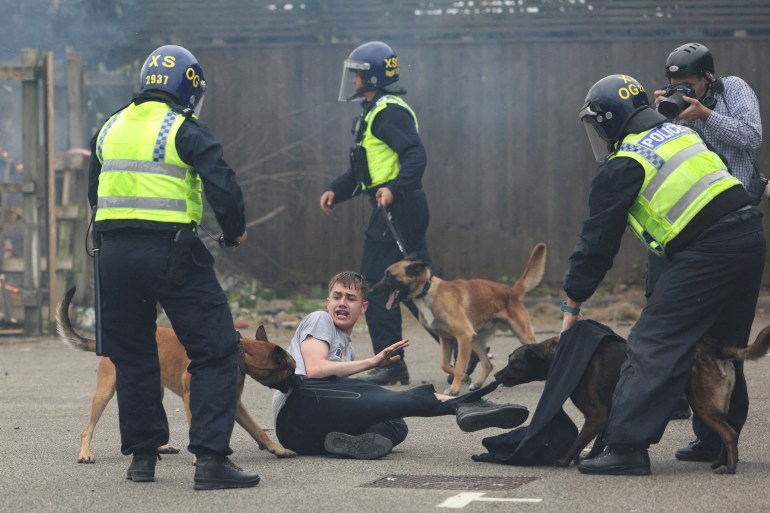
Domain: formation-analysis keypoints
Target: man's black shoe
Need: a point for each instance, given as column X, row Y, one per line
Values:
column 618, row 463
column 367, row 446
column 142, row 468
column 482, row 414
column 697, row 451
column 216, row 472
column 392, row 374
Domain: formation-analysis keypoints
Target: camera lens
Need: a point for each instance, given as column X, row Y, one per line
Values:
column 672, row 105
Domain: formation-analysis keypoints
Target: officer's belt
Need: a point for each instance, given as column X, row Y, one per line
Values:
column 137, row 234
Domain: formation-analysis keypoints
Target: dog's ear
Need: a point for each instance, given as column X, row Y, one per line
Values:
column 535, row 355
column 415, row 268
column 261, row 333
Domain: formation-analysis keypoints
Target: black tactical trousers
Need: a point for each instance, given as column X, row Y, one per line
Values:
column 135, row 278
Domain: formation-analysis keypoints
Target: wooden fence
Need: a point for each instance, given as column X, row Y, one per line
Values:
column 509, row 163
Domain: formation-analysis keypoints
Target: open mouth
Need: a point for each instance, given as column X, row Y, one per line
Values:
column 392, row 300
column 342, row 314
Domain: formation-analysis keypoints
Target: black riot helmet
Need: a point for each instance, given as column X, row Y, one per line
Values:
column 688, row 60
column 615, row 106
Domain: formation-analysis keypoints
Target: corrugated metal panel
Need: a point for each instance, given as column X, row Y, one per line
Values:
column 271, row 22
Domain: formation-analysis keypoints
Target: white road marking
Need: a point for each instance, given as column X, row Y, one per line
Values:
column 463, row 499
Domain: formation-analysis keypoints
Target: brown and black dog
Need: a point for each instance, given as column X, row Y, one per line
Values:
column 712, row 378
column 464, row 312
column 264, row 361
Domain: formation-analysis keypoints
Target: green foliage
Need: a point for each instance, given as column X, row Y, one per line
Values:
column 303, row 306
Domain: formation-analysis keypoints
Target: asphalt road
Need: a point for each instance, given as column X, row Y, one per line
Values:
column 45, row 396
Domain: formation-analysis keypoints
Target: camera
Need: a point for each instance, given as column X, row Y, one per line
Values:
column 674, row 102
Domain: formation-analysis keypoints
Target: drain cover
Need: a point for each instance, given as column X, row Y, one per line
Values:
column 451, row 482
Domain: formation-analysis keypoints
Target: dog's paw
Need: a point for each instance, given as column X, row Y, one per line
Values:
column 168, row 449
column 451, row 392
column 724, row 470
column 87, row 458
column 280, row 452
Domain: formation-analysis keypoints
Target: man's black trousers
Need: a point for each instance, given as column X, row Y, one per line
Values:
column 134, row 278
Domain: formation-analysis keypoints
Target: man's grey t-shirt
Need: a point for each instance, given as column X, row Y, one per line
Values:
column 318, row 325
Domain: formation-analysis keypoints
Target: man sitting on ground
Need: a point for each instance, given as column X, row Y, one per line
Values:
column 326, row 411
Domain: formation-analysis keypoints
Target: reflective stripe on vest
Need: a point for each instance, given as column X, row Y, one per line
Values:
column 681, row 176
column 382, row 160
column 142, row 175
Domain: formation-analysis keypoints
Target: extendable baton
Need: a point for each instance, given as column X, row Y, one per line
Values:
column 386, row 213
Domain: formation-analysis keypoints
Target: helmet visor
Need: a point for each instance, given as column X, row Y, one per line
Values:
column 351, row 84
column 199, row 104
column 599, row 144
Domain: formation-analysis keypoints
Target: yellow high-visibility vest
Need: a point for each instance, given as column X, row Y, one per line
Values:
column 142, row 175
column 382, row 160
column 681, row 176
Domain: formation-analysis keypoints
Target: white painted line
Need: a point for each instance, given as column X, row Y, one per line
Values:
column 463, row 499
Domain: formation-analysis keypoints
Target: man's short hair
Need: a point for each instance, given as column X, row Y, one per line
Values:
column 350, row 279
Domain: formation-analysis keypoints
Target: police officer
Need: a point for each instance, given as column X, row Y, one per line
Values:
column 387, row 164
column 149, row 162
column 678, row 198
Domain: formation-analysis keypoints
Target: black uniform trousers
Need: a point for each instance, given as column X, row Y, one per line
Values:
column 411, row 218
column 317, row 407
column 134, row 279
column 708, row 288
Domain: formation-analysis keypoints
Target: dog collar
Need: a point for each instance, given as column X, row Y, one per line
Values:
column 425, row 288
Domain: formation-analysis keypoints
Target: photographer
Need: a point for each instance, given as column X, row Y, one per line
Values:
column 725, row 111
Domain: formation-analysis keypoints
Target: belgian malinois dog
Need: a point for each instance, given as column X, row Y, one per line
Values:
column 464, row 312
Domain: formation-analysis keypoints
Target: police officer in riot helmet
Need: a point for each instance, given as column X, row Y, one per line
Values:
column 661, row 181
column 150, row 162
column 387, row 163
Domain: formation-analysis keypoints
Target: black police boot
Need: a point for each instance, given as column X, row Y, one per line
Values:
column 617, row 462
column 142, row 468
column 393, row 374
column 697, row 450
column 217, row 472
column 482, row 414
column 367, row 446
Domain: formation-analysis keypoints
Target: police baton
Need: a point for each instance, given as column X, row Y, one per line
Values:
column 97, row 242
column 388, row 215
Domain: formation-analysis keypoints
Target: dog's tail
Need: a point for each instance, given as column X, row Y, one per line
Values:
column 755, row 351
column 534, row 271
column 67, row 333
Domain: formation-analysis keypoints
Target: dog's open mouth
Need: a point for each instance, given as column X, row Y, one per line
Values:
column 392, row 300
